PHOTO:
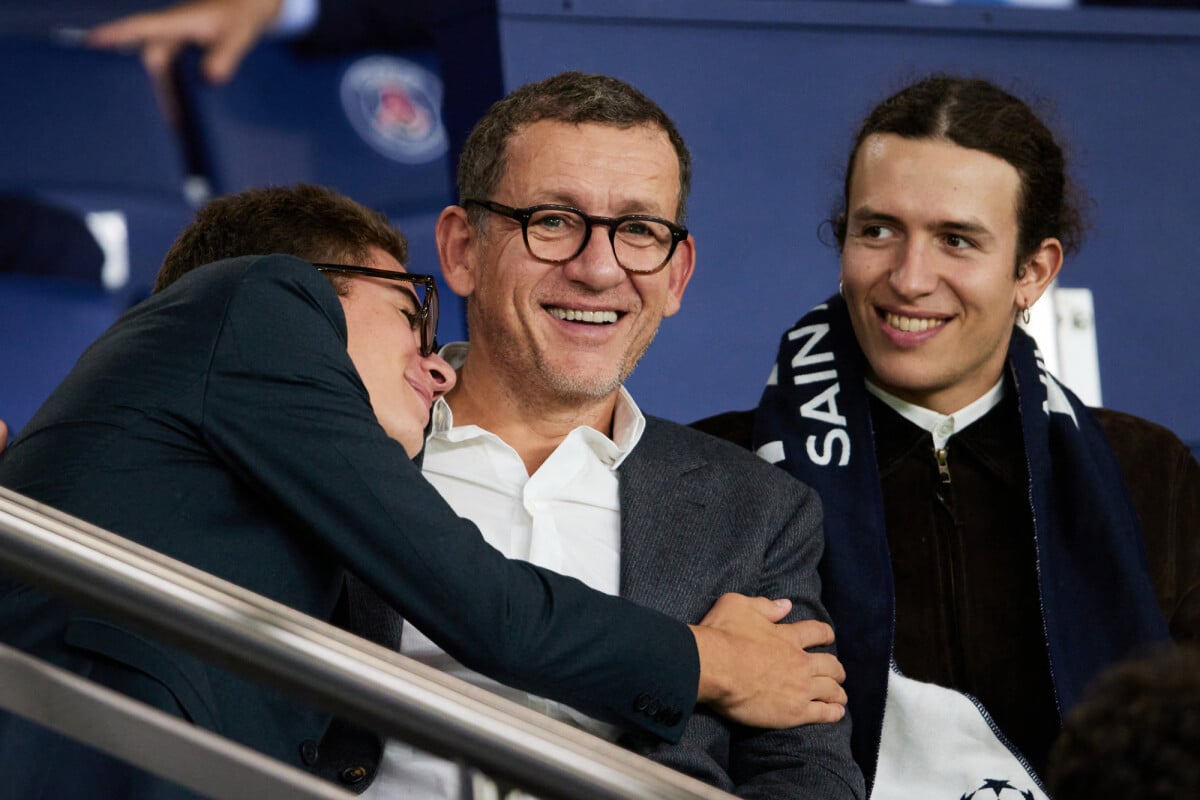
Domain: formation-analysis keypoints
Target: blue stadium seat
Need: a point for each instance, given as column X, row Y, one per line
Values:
column 83, row 130
column 368, row 125
column 45, row 325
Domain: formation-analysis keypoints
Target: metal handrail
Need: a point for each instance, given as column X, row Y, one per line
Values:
column 329, row 667
column 147, row 737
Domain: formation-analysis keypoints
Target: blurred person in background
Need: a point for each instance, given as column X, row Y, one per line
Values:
column 1136, row 733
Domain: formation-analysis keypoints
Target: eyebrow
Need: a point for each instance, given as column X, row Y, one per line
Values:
column 975, row 230
column 408, row 290
column 865, row 213
column 627, row 207
column 965, row 226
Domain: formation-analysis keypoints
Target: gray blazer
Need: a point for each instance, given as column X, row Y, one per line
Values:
column 701, row 517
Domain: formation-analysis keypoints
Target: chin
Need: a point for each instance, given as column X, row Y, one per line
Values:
column 413, row 442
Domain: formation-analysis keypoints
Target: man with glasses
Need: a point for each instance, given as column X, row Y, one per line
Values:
column 257, row 418
column 569, row 248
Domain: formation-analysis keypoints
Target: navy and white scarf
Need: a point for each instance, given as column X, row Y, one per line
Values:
column 1097, row 599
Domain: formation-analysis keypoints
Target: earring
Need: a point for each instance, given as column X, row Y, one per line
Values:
column 840, row 292
column 1025, row 315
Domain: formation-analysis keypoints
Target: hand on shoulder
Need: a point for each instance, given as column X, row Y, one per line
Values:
column 759, row 672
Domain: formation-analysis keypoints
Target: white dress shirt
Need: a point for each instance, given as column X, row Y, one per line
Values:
column 565, row 517
column 941, row 426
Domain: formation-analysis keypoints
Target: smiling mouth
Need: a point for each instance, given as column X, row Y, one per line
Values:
column 911, row 324
column 589, row 317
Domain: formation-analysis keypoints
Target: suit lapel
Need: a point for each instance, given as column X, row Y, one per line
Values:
column 660, row 504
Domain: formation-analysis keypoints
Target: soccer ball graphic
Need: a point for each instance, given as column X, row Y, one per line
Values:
column 997, row 790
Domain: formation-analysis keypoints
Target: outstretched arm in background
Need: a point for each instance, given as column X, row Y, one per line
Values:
column 225, row 29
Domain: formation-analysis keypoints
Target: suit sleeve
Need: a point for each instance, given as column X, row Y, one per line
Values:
column 700, row 518
column 286, row 411
column 809, row 760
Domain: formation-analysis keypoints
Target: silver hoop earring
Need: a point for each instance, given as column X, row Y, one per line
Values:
column 1025, row 315
column 841, row 293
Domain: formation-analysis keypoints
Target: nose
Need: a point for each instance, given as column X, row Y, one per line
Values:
column 914, row 274
column 440, row 372
column 596, row 265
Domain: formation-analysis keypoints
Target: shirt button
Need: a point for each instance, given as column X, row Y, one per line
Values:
column 309, row 752
column 352, row 775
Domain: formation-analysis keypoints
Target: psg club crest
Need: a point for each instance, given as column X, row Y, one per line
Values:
column 396, row 107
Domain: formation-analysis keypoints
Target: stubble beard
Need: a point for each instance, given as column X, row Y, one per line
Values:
column 570, row 388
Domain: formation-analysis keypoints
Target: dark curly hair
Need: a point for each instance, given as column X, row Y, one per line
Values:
column 1135, row 735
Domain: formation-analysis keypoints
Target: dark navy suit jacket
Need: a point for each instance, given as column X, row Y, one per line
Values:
column 222, row 422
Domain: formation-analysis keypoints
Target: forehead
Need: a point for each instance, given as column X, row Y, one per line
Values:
column 378, row 258
column 933, row 177
column 603, row 169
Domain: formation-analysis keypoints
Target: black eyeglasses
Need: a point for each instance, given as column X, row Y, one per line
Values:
column 423, row 286
column 554, row 233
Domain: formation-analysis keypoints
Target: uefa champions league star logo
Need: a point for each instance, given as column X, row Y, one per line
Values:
column 997, row 790
column 396, row 107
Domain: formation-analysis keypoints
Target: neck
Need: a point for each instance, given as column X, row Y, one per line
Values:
column 529, row 423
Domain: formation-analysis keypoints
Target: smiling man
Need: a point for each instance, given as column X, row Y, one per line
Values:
column 569, row 246
column 992, row 544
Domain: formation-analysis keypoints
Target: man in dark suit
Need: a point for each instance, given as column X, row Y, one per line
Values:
column 257, row 419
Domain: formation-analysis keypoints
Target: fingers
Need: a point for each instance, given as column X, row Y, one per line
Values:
column 824, row 713
column 157, row 57
column 805, row 701
column 226, row 29
column 760, row 672
column 226, row 53
column 197, row 22
column 808, row 633
column 734, row 609
column 126, row 32
column 825, row 665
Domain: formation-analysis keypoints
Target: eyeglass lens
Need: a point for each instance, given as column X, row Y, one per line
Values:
column 427, row 300
column 558, row 235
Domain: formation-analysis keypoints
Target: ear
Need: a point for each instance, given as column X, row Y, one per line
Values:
column 456, row 237
column 679, row 272
column 1040, row 269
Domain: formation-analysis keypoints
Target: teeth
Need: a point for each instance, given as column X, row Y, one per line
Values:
column 911, row 324
column 595, row 317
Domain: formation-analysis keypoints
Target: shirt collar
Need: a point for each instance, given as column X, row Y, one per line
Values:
column 628, row 421
column 941, row 426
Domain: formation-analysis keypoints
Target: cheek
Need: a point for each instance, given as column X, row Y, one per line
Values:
column 855, row 274
column 994, row 297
